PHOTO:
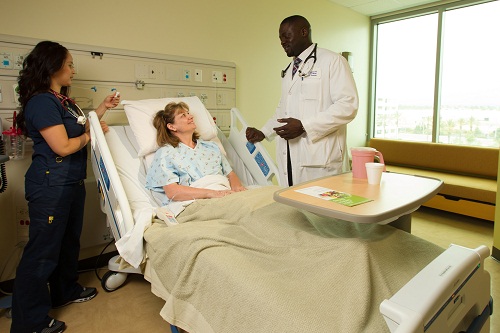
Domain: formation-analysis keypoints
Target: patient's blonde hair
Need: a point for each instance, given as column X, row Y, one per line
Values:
column 166, row 116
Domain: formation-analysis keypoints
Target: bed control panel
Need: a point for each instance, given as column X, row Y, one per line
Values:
column 265, row 172
column 167, row 216
column 261, row 162
column 250, row 147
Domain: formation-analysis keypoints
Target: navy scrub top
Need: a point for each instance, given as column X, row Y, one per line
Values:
column 46, row 110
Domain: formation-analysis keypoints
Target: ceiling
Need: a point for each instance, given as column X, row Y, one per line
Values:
column 377, row 7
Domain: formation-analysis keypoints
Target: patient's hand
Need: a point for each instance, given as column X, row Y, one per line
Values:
column 239, row 188
column 235, row 182
column 221, row 194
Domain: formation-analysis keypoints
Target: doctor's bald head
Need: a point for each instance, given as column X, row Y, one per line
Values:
column 295, row 35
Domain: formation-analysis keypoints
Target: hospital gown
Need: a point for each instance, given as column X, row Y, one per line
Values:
column 184, row 165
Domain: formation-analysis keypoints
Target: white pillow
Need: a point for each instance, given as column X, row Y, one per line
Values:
column 140, row 116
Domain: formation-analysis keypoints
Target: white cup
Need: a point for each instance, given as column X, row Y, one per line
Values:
column 374, row 172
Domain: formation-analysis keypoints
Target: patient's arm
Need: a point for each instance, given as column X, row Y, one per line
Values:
column 235, row 182
column 178, row 192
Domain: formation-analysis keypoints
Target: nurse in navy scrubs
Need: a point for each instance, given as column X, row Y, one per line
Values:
column 47, row 275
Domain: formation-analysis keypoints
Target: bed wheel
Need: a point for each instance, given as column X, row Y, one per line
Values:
column 113, row 280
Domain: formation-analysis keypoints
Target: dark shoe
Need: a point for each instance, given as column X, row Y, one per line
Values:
column 86, row 295
column 54, row 326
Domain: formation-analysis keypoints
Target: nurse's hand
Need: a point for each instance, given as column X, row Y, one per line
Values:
column 254, row 135
column 293, row 128
column 104, row 126
column 111, row 101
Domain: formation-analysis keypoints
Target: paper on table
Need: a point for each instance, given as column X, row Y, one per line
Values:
column 342, row 198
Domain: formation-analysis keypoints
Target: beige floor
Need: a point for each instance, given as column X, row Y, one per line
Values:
column 133, row 308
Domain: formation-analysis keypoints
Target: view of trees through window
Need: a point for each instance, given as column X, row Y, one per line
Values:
column 460, row 104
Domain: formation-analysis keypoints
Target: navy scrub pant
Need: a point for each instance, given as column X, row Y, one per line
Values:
column 48, row 272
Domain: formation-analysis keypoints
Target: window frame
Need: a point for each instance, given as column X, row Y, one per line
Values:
column 439, row 9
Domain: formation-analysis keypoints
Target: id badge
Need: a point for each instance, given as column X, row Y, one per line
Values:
column 315, row 74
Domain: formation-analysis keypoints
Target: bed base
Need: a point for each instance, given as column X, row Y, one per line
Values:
column 448, row 295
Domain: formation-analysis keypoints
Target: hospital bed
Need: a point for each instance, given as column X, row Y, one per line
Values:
column 255, row 265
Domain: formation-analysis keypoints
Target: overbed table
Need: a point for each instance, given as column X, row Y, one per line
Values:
column 393, row 201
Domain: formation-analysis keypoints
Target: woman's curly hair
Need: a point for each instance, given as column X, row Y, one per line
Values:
column 35, row 77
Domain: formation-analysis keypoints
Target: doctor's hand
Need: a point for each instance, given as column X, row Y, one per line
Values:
column 292, row 128
column 254, row 135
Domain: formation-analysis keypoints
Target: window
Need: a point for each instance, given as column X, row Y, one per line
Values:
column 437, row 75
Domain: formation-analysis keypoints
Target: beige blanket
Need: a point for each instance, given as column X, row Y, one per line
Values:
column 245, row 263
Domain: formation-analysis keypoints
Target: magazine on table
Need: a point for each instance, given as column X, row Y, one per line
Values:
column 342, row 198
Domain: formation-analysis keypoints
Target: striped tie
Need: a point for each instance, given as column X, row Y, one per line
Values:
column 296, row 63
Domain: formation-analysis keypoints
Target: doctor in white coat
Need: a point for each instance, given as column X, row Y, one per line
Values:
column 318, row 99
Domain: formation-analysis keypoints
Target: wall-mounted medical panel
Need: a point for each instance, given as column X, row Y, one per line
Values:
column 136, row 75
column 119, row 68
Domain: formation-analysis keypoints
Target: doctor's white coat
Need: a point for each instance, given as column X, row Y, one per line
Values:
column 325, row 102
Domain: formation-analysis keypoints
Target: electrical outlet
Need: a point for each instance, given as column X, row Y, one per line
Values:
column 203, row 98
column 18, row 61
column 220, row 98
column 23, row 223
column 152, row 72
column 217, row 77
column 141, row 71
column 156, row 71
column 198, row 75
column 107, row 236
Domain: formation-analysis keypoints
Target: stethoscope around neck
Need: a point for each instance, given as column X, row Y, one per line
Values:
column 68, row 104
column 301, row 73
column 78, row 114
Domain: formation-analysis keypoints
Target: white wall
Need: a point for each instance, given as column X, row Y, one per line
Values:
column 245, row 33
column 242, row 32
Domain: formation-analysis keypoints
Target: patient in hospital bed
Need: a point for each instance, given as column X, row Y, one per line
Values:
column 187, row 167
column 181, row 165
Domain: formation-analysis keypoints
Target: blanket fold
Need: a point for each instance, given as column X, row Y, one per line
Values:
column 130, row 246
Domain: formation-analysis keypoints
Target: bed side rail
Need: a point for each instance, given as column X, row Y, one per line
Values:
column 446, row 296
column 255, row 156
column 114, row 202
